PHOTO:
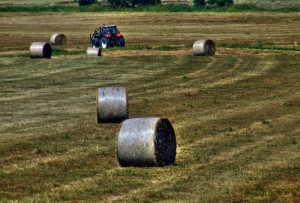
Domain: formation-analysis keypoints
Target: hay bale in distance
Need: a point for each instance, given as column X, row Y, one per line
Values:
column 295, row 44
column 58, row 39
column 40, row 50
column 204, row 47
column 148, row 141
column 112, row 106
column 93, row 52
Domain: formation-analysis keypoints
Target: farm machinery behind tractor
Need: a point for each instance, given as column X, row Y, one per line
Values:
column 107, row 36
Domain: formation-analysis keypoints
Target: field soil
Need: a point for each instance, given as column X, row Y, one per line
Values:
column 236, row 115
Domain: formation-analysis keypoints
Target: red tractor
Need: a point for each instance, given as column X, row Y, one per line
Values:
column 107, row 36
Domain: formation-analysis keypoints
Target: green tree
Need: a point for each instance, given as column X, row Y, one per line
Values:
column 131, row 3
column 199, row 3
column 86, row 2
column 118, row 3
column 145, row 2
column 220, row 2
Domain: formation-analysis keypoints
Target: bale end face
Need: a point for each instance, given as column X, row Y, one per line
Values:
column 146, row 142
column 165, row 143
column 204, row 47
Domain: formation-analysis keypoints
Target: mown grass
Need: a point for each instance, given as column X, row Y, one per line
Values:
column 236, row 127
column 236, row 114
column 261, row 46
column 62, row 51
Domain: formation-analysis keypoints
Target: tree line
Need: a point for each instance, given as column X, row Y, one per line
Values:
column 134, row 3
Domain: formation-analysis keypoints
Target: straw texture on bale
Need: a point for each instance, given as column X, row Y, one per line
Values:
column 146, row 142
column 205, row 47
column 112, row 104
column 91, row 51
column 58, row 39
column 40, row 50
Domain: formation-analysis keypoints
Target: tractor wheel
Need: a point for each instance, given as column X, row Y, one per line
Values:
column 96, row 43
column 121, row 41
column 105, row 43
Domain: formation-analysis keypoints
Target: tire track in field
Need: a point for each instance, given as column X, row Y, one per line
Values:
column 247, row 108
column 34, row 93
column 255, row 126
column 34, row 163
column 54, row 72
column 194, row 77
column 182, row 52
column 240, row 77
column 29, row 115
column 224, row 79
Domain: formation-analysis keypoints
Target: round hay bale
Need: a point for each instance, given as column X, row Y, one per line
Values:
column 112, row 104
column 91, row 51
column 205, row 47
column 40, row 50
column 58, row 39
column 145, row 142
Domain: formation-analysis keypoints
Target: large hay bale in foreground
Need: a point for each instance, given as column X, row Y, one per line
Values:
column 204, row 47
column 112, row 104
column 93, row 52
column 40, row 50
column 146, row 141
column 58, row 39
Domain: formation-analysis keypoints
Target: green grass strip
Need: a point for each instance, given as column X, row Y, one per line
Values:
column 259, row 47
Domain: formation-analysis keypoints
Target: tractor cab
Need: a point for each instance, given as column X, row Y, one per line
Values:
column 107, row 36
column 110, row 30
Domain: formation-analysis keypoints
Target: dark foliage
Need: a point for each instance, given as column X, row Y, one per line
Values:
column 220, row 3
column 131, row 3
column 86, row 2
column 199, row 3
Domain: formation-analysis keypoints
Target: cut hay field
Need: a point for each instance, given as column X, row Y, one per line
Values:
column 236, row 115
